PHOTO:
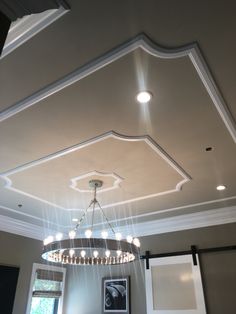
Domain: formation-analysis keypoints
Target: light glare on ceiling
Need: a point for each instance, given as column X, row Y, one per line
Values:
column 144, row 97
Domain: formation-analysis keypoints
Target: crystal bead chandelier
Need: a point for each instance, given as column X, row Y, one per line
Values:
column 89, row 250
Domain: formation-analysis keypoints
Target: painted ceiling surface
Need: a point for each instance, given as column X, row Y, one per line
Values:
column 69, row 114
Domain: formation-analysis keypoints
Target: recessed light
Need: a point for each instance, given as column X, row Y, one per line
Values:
column 75, row 219
column 144, row 97
column 221, row 187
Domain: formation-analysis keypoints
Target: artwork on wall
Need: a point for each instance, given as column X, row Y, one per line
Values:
column 174, row 286
column 115, row 295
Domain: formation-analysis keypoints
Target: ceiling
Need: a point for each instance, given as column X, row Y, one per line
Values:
column 69, row 114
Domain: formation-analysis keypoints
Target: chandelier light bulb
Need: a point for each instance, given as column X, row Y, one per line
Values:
column 72, row 234
column 71, row 252
column 88, row 233
column 129, row 239
column 108, row 253
column 118, row 252
column 144, row 97
column 59, row 236
column 118, row 236
column 48, row 240
column 95, row 254
column 45, row 241
column 104, row 234
column 83, row 253
column 136, row 242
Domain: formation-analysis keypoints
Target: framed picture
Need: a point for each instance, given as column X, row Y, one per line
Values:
column 174, row 286
column 115, row 295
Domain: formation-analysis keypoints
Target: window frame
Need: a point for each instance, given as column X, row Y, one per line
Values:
column 32, row 280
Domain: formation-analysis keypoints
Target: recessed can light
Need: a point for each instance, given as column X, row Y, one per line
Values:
column 75, row 219
column 221, row 187
column 144, row 97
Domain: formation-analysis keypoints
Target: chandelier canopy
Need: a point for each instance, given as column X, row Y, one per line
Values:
column 89, row 250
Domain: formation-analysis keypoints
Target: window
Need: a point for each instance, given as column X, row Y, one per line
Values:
column 46, row 290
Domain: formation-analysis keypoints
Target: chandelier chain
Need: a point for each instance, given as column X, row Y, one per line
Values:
column 108, row 222
column 83, row 216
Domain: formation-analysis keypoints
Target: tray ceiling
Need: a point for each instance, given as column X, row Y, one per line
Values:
column 88, row 124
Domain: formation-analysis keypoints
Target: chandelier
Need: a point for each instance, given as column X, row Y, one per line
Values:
column 89, row 250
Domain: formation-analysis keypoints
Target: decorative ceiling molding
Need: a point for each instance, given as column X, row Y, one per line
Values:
column 20, row 213
column 191, row 51
column 161, row 211
column 22, row 228
column 131, row 218
column 182, row 222
column 16, row 9
column 147, row 139
column 27, row 27
column 116, row 182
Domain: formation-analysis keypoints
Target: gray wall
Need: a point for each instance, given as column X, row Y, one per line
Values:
column 83, row 289
column 21, row 252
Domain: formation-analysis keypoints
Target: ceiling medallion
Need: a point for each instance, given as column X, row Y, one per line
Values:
column 89, row 250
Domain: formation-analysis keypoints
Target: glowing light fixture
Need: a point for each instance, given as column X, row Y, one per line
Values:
column 88, row 233
column 118, row 236
column 144, row 97
column 72, row 234
column 59, row 236
column 104, row 234
column 221, row 187
column 90, row 250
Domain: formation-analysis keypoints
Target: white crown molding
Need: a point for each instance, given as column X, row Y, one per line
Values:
column 22, row 228
column 147, row 139
column 182, row 222
column 143, row 42
column 27, row 27
column 116, row 183
column 30, row 216
column 172, row 209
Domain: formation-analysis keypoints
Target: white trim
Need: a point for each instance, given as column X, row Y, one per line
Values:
column 27, row 27
column 116, row 183
column 147, row 139
column 158, row 226
column 22, row 228
column 143, row 42
column 161, row 211
column 8, row 223
column 33, row 276
column 207, row 218
column 28, row 215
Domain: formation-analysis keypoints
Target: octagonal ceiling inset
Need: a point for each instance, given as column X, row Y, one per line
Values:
column 153, row 173
column 110, row 181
